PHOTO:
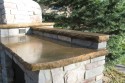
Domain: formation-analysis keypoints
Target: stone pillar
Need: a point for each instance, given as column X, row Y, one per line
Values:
column 19, row 11
column 16, row 12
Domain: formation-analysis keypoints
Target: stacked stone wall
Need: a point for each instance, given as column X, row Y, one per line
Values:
column 81, row 72
column 88, row 71
column 19, row 11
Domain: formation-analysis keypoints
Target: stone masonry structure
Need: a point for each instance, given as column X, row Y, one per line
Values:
column 19, row 11
column 85, row 68
column 18, row 50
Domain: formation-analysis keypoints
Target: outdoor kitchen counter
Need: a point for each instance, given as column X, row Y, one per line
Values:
column 36, row 53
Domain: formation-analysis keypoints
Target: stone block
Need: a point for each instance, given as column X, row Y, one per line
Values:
column 99, row 77
column 98, row 59
column 21, row 66
column 37, row 12
column 102, row 45
column 13, row 32
column 94, row 72
column 82, row 42
column 9, row 18
column 27, row 79
column 94, row 64
column 16, row 61
column 15, row 12
column 47, row 35
column 33, row 75
column 99, row 81
column 1, row 1
column 54, row 36
column 30, row 13
column 8, row 53
column 41, row 78
column 36, row 18
column 8, row 61
column 19, row 12
column 20, row 17
column 89, row 44
column 9, row 1
column 10, row 5
column 3, row 62
column 69, row 67
column 75, row 75
column 3, row 19
column 1, row 5
column 2, row 11
column 4, row 76
column 57, row 75
column 21, row 6
column 90, row 80
column 10, row 74
column 46, row 76
column 38, row 33
column 7, row 71
column 35, row 5
column 7, row 11
column 64, row 38
column 4, row 32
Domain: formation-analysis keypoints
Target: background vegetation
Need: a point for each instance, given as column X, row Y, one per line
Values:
column 101, row 16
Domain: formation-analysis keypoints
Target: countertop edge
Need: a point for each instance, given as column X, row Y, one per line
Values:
column 65, row 62
column 59, row 63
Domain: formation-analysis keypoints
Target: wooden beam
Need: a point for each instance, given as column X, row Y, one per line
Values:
column 23, row 25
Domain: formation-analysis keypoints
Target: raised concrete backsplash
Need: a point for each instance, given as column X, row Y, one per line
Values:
column 84, row 39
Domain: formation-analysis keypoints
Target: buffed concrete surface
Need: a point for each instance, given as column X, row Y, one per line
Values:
column 42, row 49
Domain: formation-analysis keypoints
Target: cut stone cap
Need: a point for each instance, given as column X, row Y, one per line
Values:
column 24, row 25
column 96, row 37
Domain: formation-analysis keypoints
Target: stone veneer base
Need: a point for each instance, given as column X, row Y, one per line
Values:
column 88, row 71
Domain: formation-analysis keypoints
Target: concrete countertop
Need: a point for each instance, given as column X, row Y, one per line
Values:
column 43, row 53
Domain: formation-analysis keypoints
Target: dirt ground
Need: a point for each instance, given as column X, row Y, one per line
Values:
column 113, row 76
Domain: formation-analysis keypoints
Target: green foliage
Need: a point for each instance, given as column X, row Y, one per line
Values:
column 49, row 17
column 97, row 15
column 116, row 46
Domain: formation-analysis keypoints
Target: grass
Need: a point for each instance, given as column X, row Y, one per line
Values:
column 122, row 60
column 114, row 75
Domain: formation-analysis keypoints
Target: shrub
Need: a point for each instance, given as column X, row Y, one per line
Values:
column 116, row 46
column 102, row 16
